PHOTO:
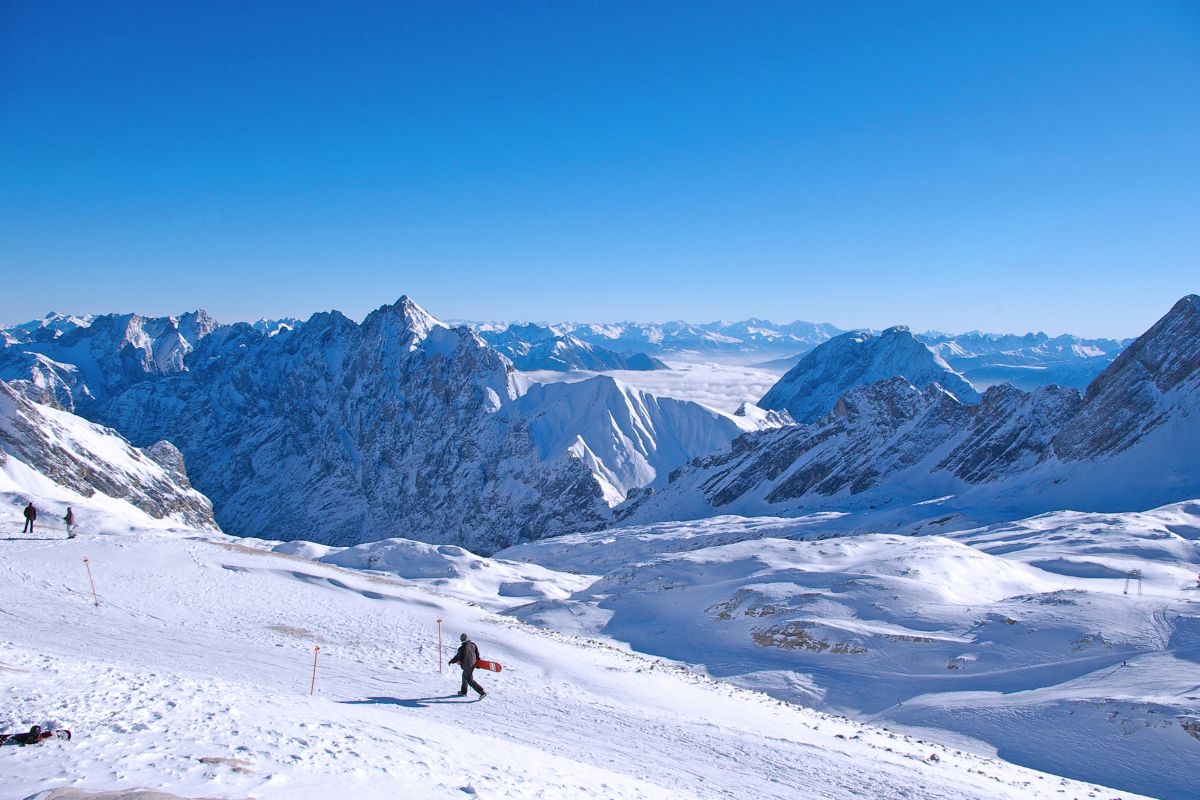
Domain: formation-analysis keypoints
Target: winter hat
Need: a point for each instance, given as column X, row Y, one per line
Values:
column 462, row 637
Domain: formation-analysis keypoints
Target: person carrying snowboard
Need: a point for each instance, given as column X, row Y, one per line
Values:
column 30, row 516
column 69, row 519
column 466, row 657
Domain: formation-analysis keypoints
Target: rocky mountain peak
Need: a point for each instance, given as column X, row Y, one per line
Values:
column 812, row 388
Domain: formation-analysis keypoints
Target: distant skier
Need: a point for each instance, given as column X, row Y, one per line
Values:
column 467, row 655
column 69, row 519
column 30, row 516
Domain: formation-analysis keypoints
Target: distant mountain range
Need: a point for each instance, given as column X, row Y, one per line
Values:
column 343, row 432
column 535, row 347
column 919, row 452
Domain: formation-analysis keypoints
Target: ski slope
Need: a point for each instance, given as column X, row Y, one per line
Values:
column 192, row 677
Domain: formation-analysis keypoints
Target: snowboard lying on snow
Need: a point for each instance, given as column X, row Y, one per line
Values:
column 33, row 737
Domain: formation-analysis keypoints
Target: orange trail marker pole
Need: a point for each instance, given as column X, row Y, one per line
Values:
column 313, row 687
column 92, row 582
column 440, row 667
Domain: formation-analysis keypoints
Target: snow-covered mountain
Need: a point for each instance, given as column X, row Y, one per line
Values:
column 401, row 426
column 628, row 438
column 810, row 389
column 58, row 459
column 536, row 347
column 1027, row 362
column 274, row 326
column 748, row 338
column 72, row 362
column 1128, row 444
column 1067, row 642
column 48, row 328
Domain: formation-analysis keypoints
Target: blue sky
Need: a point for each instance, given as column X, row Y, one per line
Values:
column 1003, row 166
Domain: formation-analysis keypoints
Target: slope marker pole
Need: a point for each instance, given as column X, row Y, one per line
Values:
column 92, row 582
column 313, row 687
column 441, row 668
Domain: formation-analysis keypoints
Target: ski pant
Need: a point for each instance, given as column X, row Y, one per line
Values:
column 469, row 681
column 28, row 526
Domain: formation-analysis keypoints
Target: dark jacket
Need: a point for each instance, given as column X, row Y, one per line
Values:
column 30, row 512
column 70, row 517
column 467, row 655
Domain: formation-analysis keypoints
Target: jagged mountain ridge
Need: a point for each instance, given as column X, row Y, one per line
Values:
column 810, row 389
column 535, row 347
column 1128, row 444
column 400, row 426
column 68, row 364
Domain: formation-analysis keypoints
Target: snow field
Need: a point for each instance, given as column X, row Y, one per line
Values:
column 192, row 677
column 1018, row 637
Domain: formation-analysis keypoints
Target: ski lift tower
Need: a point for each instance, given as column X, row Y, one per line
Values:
column 1134, row 575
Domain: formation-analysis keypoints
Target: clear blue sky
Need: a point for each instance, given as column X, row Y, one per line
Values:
column 998, row 165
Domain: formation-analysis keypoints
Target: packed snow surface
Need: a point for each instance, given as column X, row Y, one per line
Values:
column 192, row 676
column 1067, row 642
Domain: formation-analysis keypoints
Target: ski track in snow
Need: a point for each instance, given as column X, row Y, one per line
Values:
column 202, row 649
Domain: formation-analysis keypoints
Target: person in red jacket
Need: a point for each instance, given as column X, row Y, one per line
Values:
column 30, row 516
column 466, row 657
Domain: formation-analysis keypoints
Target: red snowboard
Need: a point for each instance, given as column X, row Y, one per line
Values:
column 492, row 666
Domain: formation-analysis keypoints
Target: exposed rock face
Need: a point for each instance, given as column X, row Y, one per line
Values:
column 874, row 432
column 346, row 433
column 1155, row 378
column 87, row 459
column 1012, row 432
column 73, row 366
column 811, row 388
column 893, row 445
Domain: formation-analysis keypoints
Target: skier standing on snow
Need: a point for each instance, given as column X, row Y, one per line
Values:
column 466, row 657
column 70, row 520
column 30, row 516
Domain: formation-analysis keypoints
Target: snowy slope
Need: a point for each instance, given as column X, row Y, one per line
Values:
column 55, row 460
column 810, row 389
column 628, row 438
column 192, row 676
column 1019, row 636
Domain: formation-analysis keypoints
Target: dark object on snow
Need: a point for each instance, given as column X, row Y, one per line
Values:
column 69, row 519
column 35, row 735
column 30, row 516
column 467, row 657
